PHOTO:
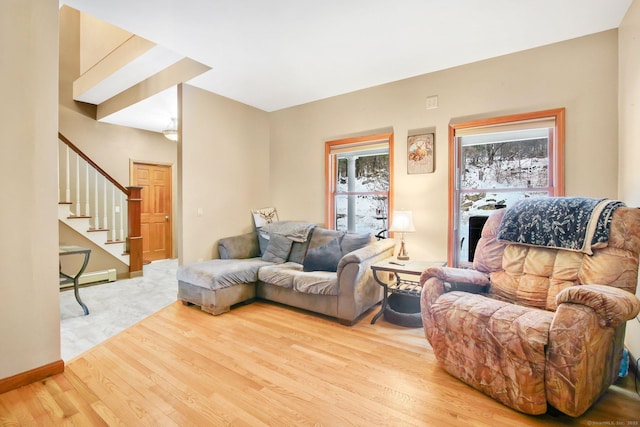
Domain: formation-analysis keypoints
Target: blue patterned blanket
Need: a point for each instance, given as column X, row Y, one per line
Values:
column 572, row 223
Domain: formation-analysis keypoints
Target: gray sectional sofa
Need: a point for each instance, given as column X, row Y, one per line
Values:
column 293, row 263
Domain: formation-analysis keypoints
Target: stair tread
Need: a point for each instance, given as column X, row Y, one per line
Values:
column 78, row 217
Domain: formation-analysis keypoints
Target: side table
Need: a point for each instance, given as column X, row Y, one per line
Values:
column 65, row 278
column 406, row 279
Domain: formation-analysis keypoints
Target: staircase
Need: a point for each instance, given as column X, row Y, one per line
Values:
column 98, row 207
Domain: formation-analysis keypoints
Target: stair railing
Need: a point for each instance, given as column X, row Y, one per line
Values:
column 94, row 194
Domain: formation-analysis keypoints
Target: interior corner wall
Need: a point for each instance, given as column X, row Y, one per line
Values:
column 579, row 74
column 629, row 132
column 29, row 309
column 223, row 172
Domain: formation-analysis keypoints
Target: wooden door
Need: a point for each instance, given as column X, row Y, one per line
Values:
column 156, row 216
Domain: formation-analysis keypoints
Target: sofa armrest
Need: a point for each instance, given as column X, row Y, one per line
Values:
column 612, row 305
column 368, row 253
column 357, row 289
column 239, row 247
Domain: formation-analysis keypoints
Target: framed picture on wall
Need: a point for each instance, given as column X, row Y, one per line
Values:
column 420, row 153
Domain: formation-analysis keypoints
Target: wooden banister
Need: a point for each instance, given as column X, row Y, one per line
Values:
column 134, row 234
column 134, row 211
column 92, row 163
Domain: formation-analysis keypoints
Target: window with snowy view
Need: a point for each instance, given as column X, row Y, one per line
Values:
column 497, row 164
column 359, row 184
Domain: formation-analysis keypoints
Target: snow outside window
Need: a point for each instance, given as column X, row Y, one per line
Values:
column 359, row 185
column 496, row 166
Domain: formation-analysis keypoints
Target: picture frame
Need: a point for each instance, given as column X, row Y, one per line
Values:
column 420, row 153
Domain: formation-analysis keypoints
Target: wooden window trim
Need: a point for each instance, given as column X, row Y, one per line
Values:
column 558, row 157
column 329, row 172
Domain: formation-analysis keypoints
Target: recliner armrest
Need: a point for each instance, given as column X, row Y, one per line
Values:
column 457, row 278
column 612, row 305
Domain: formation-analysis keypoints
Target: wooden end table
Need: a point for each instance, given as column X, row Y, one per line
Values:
column 406, row 280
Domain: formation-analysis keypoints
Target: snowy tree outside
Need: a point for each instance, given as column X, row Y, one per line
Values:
column 369, row 193
column 497, row 175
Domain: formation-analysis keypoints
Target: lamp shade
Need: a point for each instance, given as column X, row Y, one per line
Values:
column 402, row 222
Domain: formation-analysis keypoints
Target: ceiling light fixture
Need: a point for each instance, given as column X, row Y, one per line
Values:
column 172, row 131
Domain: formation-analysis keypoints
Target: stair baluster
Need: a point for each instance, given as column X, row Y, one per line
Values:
column 87, row 210
column 96, row 210
column 105, row 211
column 67, row 197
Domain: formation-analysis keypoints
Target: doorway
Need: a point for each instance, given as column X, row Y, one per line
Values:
column 156, row 217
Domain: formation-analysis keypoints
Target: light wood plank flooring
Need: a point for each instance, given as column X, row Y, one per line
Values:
column 266, row 364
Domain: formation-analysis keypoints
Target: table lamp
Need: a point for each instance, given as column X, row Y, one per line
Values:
column 402, row 223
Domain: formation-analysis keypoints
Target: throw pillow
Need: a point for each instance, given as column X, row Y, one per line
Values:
column 278, row 249
column 263, row 241
column 323, row 258
column 321, row 236
column 354, row 241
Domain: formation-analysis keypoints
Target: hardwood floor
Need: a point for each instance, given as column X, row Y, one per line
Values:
column 266, row 364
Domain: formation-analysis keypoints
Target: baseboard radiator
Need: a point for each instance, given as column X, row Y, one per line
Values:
column 98, row 276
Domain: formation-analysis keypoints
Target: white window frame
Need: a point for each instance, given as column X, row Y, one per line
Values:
column 355, row 146
column 518, row 121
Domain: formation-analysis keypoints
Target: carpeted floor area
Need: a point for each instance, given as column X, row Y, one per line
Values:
column 114, row 306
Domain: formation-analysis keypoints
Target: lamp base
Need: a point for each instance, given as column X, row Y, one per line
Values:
column 403, row 255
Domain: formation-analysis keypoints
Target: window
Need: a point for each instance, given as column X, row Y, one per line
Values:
column 359, row 177
column 494, row 163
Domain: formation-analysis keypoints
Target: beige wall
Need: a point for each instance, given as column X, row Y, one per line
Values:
column 580, row 75
column 111, row 147
column 114, row 147
column 29, row 311
column 629, row 112
column 98, row 40
column 224, row 153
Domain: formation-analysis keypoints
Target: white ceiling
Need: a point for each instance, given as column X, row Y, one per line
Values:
column 274, row 54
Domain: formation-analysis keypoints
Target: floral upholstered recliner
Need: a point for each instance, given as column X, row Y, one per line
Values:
column 533, row 326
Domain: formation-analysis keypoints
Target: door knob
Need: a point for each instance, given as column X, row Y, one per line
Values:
column 166, row 218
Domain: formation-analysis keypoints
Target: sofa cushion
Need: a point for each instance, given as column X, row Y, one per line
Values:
column 278, row 249
column 298, row 251
column 221, row 273
column 323, row 258
column 243, row 246
column 321, row 236
column 354, row 241
column 263, row 241
column 279, row 274
column 316, row 282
